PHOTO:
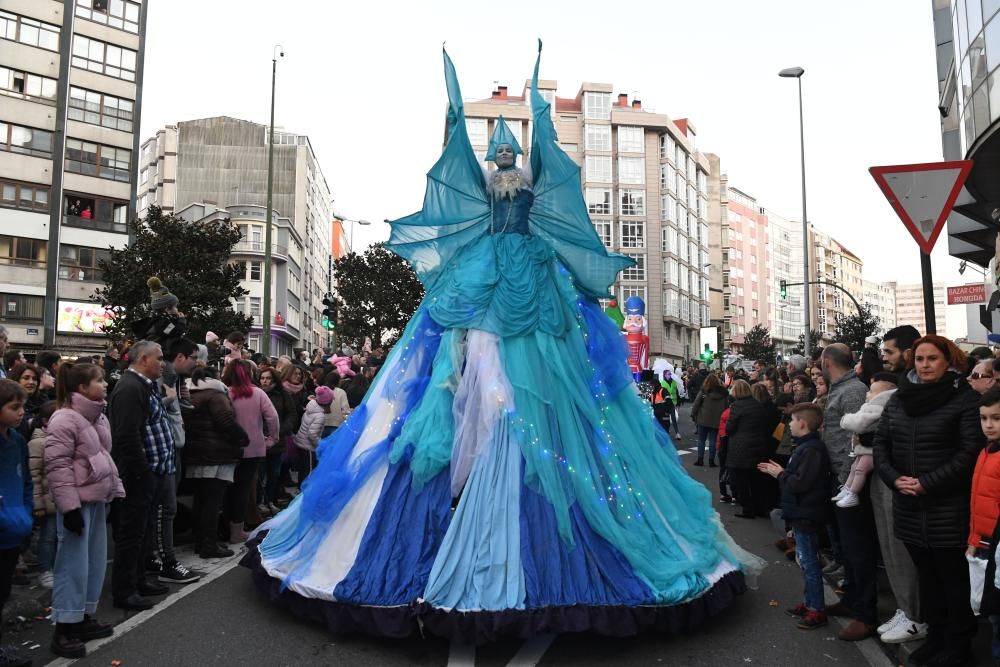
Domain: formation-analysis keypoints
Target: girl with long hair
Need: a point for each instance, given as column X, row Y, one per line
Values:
column 83, row 479
column 256, row 415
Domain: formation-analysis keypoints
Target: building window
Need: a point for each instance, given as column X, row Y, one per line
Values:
column 254, row 270
column 603, row 229
column 81, row 262
column 29, row 31
column 23, row 84
column 91, row 212
column 637, row 272
column 294, row 285
column 628, row 291
column 26, row 140
column 25, row 196
column 100, row 109
column 18, row 251
column 597, row 106
column 121, row 14
column 671, row 272
column 598, row 168
column 631, row 170
column 96, row 56
column 597, row 137
column 633, row 202
column 630, row 140
column 682, row 249
column 255, row 307
column 293, row 317
column 253, row 342
column 21, row 307
column 669, row 239
column 671, row 303
column 90, row 159
column 515, row 129
column 599, row 201
column 667, row 147
column 478, row 135
column 632, row 234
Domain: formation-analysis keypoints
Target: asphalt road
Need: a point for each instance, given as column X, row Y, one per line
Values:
column 226, row 622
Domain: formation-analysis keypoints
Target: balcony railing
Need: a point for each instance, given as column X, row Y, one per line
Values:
column 91, row 223
column 256, row 247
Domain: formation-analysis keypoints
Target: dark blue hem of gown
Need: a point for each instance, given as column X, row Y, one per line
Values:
column 486, row 626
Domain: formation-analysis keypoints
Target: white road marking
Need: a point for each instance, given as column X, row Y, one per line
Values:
column 461, row 655
column 682, row 452
column 532, row 651
column 213, row 570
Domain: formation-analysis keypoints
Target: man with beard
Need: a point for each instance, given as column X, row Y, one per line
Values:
column 896, row 346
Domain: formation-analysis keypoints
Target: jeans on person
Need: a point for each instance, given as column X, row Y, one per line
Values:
column 131, row 516
column 859, row 547
column 160, row 530
column 672, row 413
column 47, row 543
column 81, row 562
column 807, row 551
column 208, row 497
column 709, row 434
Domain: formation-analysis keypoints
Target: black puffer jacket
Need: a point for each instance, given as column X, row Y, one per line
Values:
column 939, row 447
column 708, row 407
column 749, row 430
column 212, row 436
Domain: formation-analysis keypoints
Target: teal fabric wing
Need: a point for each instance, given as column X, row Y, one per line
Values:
column 559, row 214
column 456, row 206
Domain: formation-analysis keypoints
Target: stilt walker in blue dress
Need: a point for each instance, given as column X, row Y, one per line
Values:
column 508, row 390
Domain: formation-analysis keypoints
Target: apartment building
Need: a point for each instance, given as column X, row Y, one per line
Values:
column 784, row 258
column 910, row 305
column 220, row 164
column 832, row 263
column 646, row 187
column 71, row 81
column 882, row 299
column 745, row 267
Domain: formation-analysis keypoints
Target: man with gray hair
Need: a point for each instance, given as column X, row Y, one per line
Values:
column 796, row 364
column 855, row 525
column 143, row 448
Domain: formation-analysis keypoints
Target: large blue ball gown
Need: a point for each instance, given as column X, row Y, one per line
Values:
column 509, row 391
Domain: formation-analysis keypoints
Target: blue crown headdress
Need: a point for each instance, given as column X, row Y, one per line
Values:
column 502, row 135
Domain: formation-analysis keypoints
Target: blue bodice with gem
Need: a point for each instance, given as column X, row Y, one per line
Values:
column 511, row 217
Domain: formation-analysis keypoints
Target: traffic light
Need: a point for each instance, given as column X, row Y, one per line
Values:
column 784, row 289
column 329, row 312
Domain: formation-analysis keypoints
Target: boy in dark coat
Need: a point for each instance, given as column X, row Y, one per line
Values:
column 805, row 504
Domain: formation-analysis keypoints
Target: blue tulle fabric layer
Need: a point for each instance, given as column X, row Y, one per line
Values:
column 572, row 495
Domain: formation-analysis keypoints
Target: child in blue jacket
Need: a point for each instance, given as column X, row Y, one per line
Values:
column 16, row 491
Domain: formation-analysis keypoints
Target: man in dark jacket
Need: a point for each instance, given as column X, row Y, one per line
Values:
column 855, row 525
column 143, row 449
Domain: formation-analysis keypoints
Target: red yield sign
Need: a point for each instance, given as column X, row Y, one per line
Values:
column 922, row 195
column 975, row 293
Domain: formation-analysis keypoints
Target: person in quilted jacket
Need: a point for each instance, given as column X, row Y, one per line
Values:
column 83, row 479
column 925, row 450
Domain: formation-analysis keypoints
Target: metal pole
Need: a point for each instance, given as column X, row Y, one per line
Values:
column 265, row 343
column 805, row 229
column 930, row 318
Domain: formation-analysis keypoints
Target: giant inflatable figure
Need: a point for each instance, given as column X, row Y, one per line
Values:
column 635, row 336
column 502, row 476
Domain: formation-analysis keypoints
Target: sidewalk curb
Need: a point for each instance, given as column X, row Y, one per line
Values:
column 224, row 565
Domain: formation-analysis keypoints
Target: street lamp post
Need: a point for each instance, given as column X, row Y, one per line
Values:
column 796, row 73
column 265, row 343
column 363, row 223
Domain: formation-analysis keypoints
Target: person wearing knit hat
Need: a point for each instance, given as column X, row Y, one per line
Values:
column 324, row 395
column 160, row 297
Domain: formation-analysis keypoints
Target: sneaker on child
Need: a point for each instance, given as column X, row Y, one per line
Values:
column 849, row 499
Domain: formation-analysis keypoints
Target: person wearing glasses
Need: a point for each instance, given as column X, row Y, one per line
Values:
column 981, row 378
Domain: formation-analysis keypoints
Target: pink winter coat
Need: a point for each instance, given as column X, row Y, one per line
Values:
column 78, row 456
column 259, row 419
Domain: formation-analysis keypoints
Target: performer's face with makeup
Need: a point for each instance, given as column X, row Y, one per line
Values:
column 505, row 156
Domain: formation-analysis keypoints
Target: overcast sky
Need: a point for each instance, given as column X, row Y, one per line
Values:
column 364, row 81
